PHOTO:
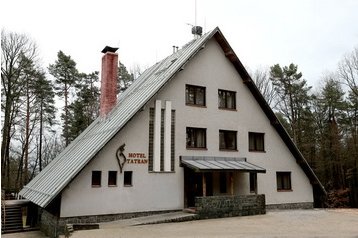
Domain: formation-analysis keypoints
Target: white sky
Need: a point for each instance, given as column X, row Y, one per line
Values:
column 315, row 34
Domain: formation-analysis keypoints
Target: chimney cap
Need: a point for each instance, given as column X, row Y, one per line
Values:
column 109, row 49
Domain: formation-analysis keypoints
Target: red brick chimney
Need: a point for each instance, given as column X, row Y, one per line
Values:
column 108, row 80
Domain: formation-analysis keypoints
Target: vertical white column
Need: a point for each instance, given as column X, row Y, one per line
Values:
column 167, row 135
column 156, row 144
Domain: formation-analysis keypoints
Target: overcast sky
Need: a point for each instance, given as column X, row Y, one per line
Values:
column 314, row 34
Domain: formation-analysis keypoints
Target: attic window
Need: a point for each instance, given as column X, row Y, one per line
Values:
column 96, row 178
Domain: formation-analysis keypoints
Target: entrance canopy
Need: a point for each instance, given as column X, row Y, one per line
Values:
column 208, row 163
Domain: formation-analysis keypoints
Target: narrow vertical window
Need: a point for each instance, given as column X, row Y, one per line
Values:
column 127, row 180
column 283, row 181
column 96, row 178
column 112, row 178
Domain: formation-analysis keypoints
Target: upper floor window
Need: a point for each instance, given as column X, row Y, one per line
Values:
column 195, row 137
column 227, row 140
column 256, row 141
column 195, row 95
column 227, row 99
column 283, row 181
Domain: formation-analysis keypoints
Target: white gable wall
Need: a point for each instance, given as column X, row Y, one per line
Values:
column 165, row 191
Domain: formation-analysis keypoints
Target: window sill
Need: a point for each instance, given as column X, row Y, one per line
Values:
column 194, row 148
column 258, row 151
column 284, row 190
column 228, row 109
column 229, row 150
column 112, row 186
column 161, row 172
column 195, row 105
column 127, row 185
column 96, row 186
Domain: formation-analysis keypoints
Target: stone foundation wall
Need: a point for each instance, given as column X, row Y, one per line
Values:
column 228, row 206
column 49, row 224
column 301, row 205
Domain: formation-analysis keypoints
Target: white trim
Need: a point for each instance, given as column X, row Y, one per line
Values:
column 167, row 135
column 156, row 142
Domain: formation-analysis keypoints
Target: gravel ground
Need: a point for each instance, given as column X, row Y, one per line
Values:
column 288, row 223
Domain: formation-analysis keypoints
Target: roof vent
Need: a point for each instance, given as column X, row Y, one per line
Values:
column 197, row 30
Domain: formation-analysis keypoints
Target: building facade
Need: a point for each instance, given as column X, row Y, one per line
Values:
column 193, row 125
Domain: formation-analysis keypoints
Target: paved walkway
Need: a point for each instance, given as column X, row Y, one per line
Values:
column 287, row 223
column 154, row 219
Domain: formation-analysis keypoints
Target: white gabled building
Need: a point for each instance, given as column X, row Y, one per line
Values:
column 193, row 126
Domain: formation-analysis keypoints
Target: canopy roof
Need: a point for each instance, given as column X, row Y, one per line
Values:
column 200, row 163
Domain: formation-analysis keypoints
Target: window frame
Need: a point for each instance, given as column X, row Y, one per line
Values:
column 195, row 132
column 227, row 133
column 225, row 93
column 255, row 136
column 280, row 181
column 96, row 176
column 127, row 183
column 110, row 179
column 196, row 89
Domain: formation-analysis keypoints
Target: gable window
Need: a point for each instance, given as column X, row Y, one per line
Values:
column 194, row 95
column 127, row 180
column 195, row 137
column 96, row 178
column 112, row 178
column 227, row 99
column 256, row 141
column 227, row 140
column 283, row 181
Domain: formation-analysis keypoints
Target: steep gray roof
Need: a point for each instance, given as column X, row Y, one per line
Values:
column 54, row 178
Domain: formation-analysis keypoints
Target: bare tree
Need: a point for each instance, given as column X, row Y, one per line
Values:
column 348, row 70
column 14, row 49
column 261, row 77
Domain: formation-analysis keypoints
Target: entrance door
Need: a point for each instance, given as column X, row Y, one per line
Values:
column 193, row 186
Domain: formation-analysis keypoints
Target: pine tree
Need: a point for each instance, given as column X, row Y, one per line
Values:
column 66, row 74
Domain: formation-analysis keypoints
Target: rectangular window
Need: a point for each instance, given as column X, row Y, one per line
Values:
column 194, row 95
column 227, row 99
column 127, row 178
column 253, row 182
column 96, row 178
column 112, row 178
column 223, row 183
column 283, row 181
column 227, row 140
column 195, row 137
column 256, row 141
